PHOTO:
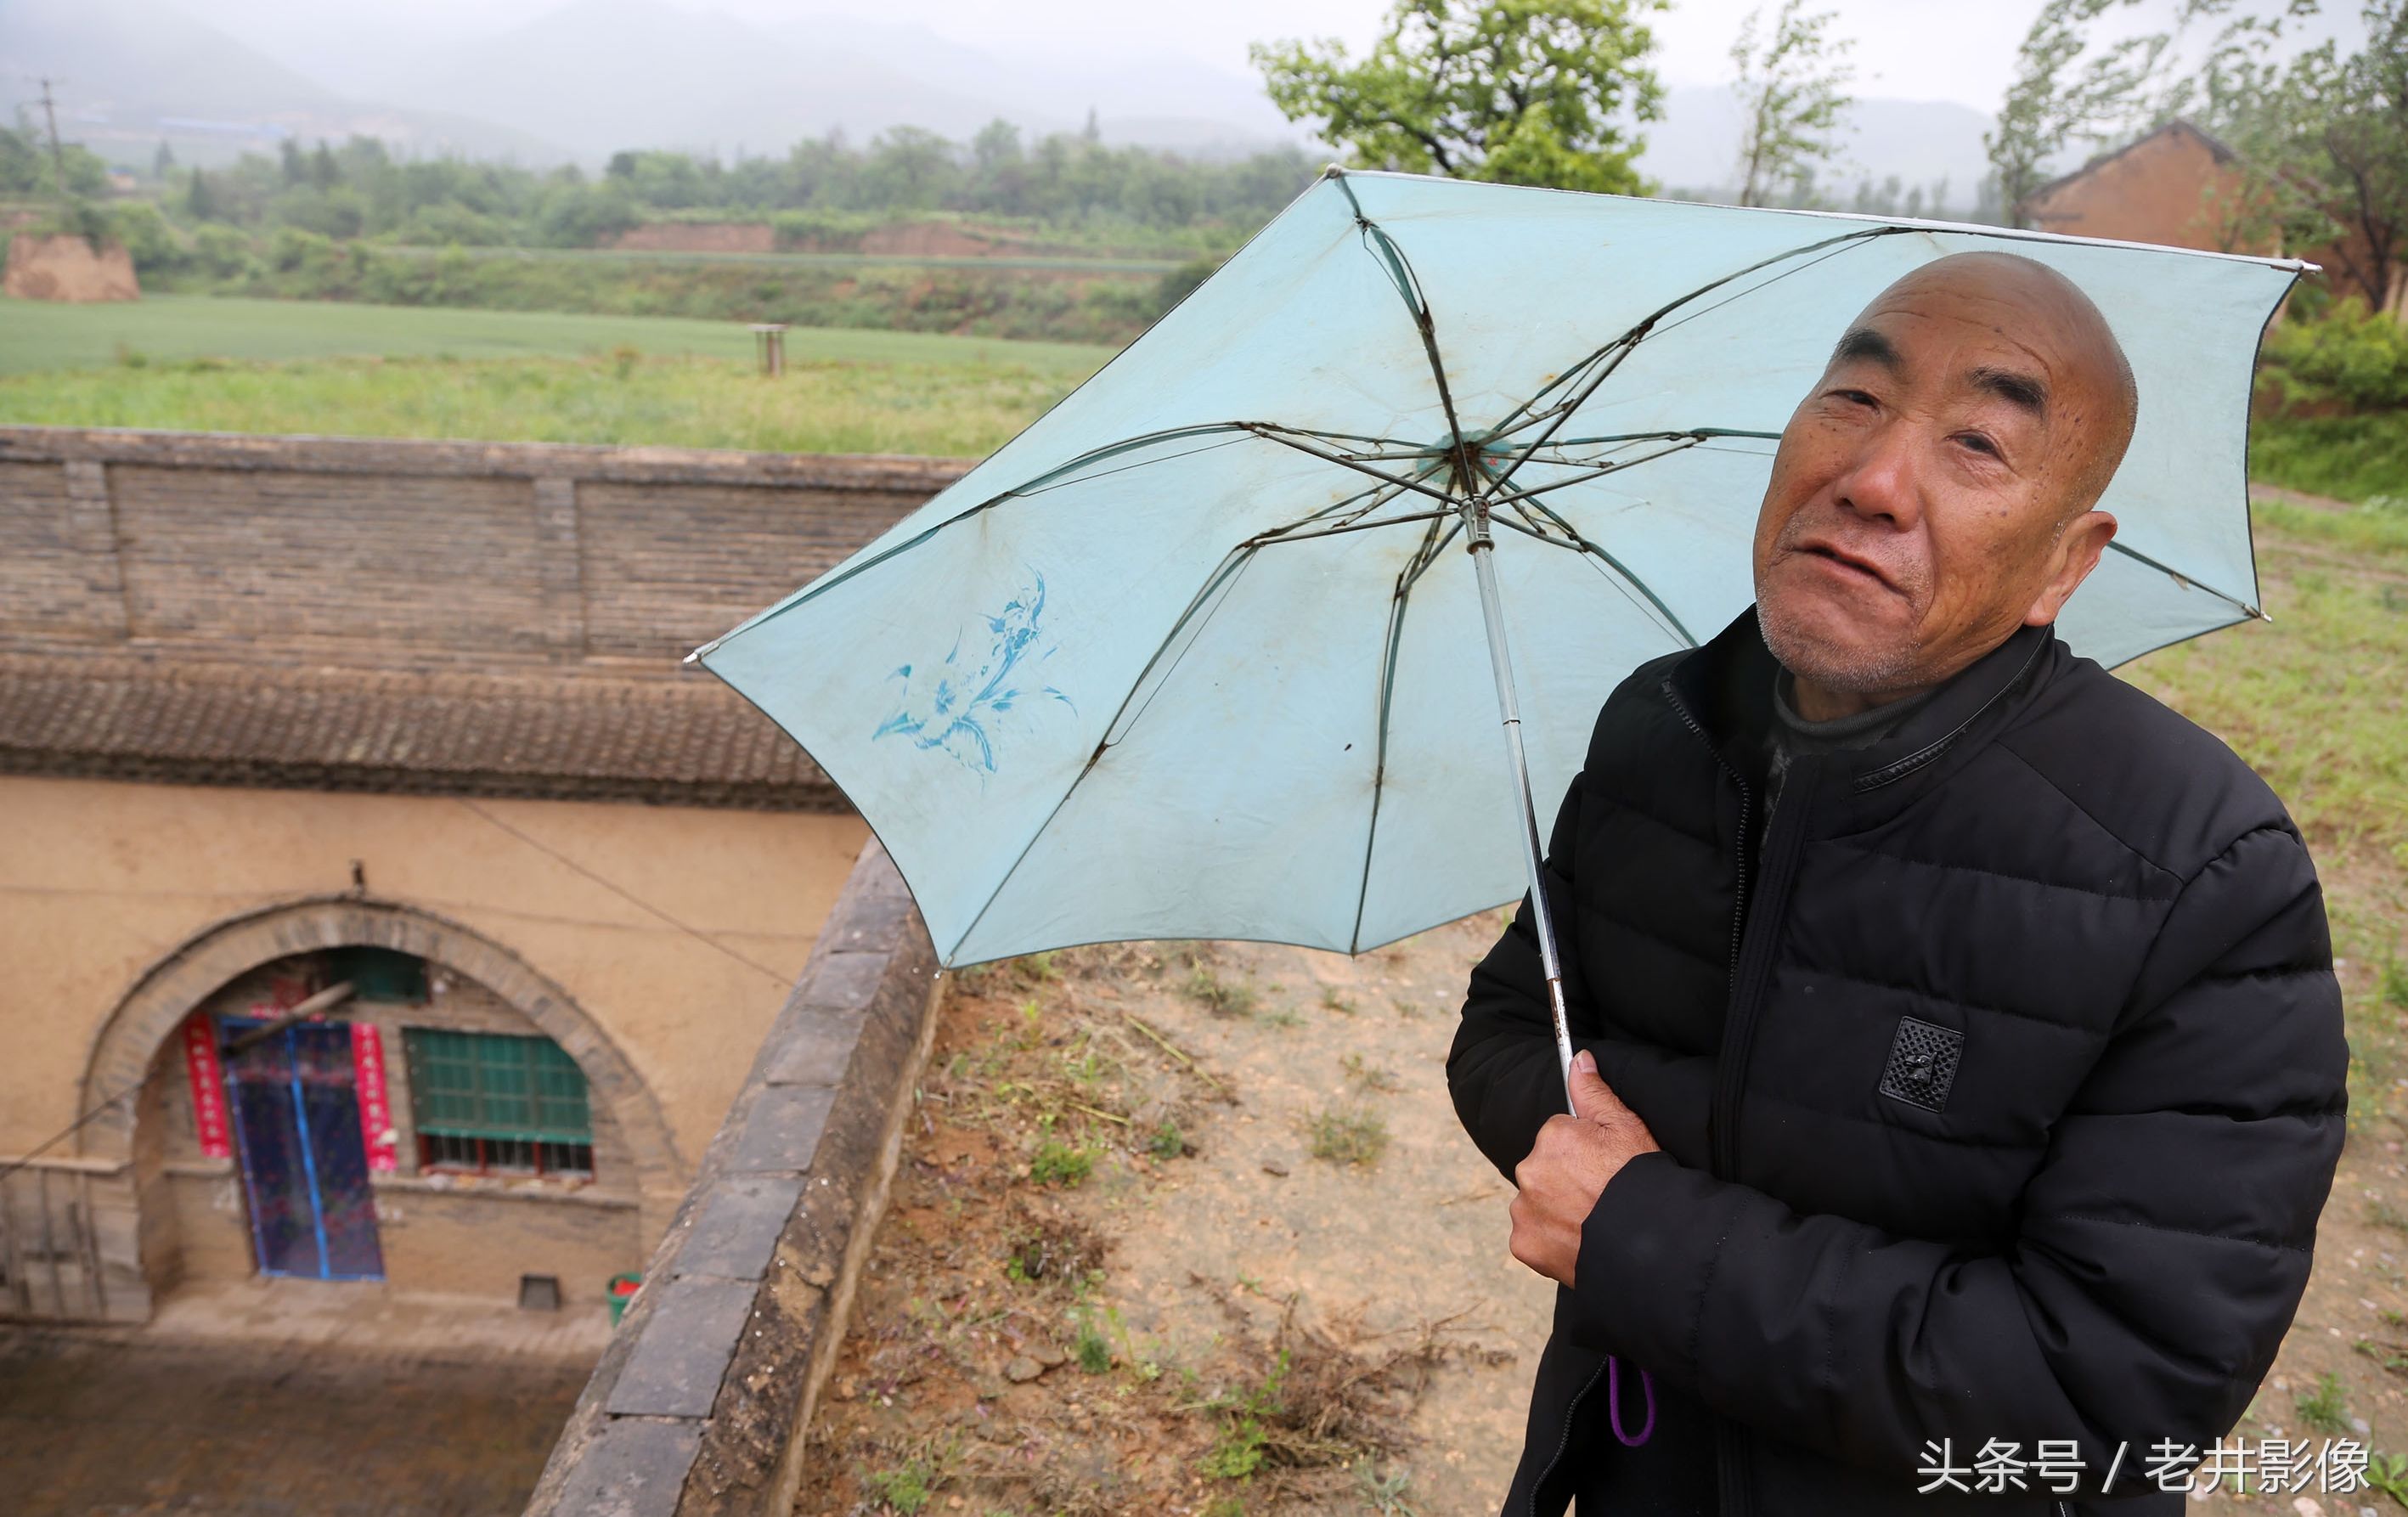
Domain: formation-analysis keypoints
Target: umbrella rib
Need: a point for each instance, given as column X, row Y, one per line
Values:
column 1059, row 474
column 1225, row 574
column 2187, row 582
column 1406, row 577
column 1288, row 437
column 1596, row 471
column 1408, row 285
column 1641, row 330
column 1621, row 578
column 1628, row 342
column 1278, row 536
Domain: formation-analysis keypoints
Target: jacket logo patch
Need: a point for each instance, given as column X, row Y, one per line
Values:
column 1922, row 1064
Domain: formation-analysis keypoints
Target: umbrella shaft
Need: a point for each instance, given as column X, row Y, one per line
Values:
column 1500, row 661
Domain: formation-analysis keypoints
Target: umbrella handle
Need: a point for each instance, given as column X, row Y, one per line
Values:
column 1509, row 710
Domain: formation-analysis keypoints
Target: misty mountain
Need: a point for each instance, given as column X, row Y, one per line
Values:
column 132, row 72
column 585, row 78
column 604, row 74
column 1696, row 147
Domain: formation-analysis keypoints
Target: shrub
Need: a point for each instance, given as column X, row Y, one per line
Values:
column 1351, row 1136
column 1056, row 1163
column 149, row 240
column 2348, row 355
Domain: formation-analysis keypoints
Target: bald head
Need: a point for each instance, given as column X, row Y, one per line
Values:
column 2082, row 381
column 1937, row 487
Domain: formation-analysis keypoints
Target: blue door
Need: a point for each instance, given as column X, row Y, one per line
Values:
column 304, row 1167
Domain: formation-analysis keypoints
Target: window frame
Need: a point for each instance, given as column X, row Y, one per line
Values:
column 481, row 1100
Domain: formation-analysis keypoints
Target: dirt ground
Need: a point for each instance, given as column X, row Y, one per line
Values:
column 1185, row 1229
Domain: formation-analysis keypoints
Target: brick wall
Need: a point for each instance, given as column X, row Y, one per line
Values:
column 415, row 555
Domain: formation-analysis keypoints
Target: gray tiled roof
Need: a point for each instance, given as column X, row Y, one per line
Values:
column 685, row 739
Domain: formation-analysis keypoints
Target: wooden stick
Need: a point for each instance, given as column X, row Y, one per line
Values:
column 1175, row 1052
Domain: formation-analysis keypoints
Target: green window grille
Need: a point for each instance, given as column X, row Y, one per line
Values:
column 489, row 1100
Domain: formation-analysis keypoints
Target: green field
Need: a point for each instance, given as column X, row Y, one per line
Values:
column 956, row 408
column 1101, row 266
column 36, row 335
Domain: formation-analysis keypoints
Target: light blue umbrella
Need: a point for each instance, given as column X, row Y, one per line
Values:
column 1198, row 655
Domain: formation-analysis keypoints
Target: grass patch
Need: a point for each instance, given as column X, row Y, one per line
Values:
column 956, row 409
column 1353, row 1136
column 2353, row 458
column 1056, row 1163
column 2324, row 1408
column 1221, row 998
column 2316, row 702
column 1372, row 1077
column 37, row 334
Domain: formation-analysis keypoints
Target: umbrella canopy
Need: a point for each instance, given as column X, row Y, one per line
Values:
column 1200, row 654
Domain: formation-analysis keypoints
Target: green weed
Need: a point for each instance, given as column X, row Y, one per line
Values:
column 1093, row 1351
column 1056, row 1163
column 906, row 1490
column 1369, row 1075
column 1217, row 996
column 2325, row 1408
column 1237, row 1451
column 1351, row 1136
column 1384, row 1493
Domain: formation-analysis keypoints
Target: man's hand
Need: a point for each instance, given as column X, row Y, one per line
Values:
column 1567, row 1169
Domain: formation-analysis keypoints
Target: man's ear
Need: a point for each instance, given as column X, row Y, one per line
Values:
column 2077, row 551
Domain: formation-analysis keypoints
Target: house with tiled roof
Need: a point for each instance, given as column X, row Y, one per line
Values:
column 386, row 901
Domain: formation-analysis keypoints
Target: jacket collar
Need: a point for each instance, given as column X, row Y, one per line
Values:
column 1726, row 684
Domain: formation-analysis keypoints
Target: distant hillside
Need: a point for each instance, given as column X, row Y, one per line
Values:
column 589, row 77
column 137, row 71
column 603, row 75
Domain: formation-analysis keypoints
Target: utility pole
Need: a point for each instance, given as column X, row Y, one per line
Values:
column 58, row 159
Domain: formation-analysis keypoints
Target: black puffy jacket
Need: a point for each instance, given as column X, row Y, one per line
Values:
column 1998, row 1092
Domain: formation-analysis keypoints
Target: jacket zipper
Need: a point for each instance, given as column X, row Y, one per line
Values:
column 1746, row 800
column 1564, row 1441
column 1747, row 975
column 1738, row 916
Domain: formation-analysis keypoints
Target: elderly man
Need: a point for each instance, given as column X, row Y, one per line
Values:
column 1962, row 1066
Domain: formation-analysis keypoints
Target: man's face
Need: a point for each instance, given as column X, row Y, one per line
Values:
column 1928, row 497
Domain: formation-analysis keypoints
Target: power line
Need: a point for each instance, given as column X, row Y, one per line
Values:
column 692, row 932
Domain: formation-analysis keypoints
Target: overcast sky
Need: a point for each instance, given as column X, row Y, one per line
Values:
column 1916, row 49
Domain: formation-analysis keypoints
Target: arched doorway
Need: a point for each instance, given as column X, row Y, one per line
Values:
column 137, row 1190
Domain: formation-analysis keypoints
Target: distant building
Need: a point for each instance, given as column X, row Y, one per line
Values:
column 280, row 715
column 2179, row 187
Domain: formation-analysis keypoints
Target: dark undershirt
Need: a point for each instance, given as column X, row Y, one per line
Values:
column 1790, row 735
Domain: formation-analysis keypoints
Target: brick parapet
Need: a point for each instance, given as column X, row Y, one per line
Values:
column 700, row 1406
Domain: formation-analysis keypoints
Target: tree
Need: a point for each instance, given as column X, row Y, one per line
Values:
column 2360, row 116
column 1792, row 93
column 1522, row 91
column 163, row 162
column 200, row 200
column 2320, row 143
column 2053, row 102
